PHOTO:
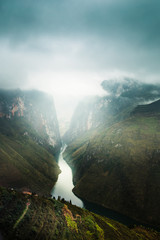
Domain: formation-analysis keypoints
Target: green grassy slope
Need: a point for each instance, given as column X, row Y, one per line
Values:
column 26, row 159
column 32, row 217
column 119, row 167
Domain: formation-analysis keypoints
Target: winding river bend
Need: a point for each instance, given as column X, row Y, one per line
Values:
column 64, row 186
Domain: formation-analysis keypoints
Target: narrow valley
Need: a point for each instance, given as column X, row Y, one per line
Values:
column 94, row 179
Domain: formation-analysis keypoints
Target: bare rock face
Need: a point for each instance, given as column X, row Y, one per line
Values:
column 35, row 106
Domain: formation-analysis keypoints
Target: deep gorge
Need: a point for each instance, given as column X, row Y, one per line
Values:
column 109, row 141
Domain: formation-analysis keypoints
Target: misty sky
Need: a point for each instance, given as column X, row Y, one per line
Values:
column 71, row 46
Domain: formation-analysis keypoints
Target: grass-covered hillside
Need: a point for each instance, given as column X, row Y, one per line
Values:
column 119, row 167
column 26, row 158
column 26, row 217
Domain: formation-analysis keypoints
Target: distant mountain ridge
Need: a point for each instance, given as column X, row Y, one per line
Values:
column 152, row 108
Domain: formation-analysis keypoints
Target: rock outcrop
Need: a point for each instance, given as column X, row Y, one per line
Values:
column 36, row 107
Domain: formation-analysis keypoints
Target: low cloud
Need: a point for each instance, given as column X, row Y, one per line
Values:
column 132, row 89
column 44, row 43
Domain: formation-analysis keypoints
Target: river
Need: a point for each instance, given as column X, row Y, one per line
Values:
column 64, row 185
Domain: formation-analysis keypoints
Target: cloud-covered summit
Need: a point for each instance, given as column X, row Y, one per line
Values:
column 132, row 89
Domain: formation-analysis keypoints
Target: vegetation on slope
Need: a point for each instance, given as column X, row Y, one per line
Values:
column 26, row 159
column 31, row 217
column 118, row 167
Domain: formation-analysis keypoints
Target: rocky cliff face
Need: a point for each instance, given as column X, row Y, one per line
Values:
column 89, row 114
column 37, row 107
column 30, row 141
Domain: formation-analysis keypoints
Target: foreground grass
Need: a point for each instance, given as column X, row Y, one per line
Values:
column 32, row 217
